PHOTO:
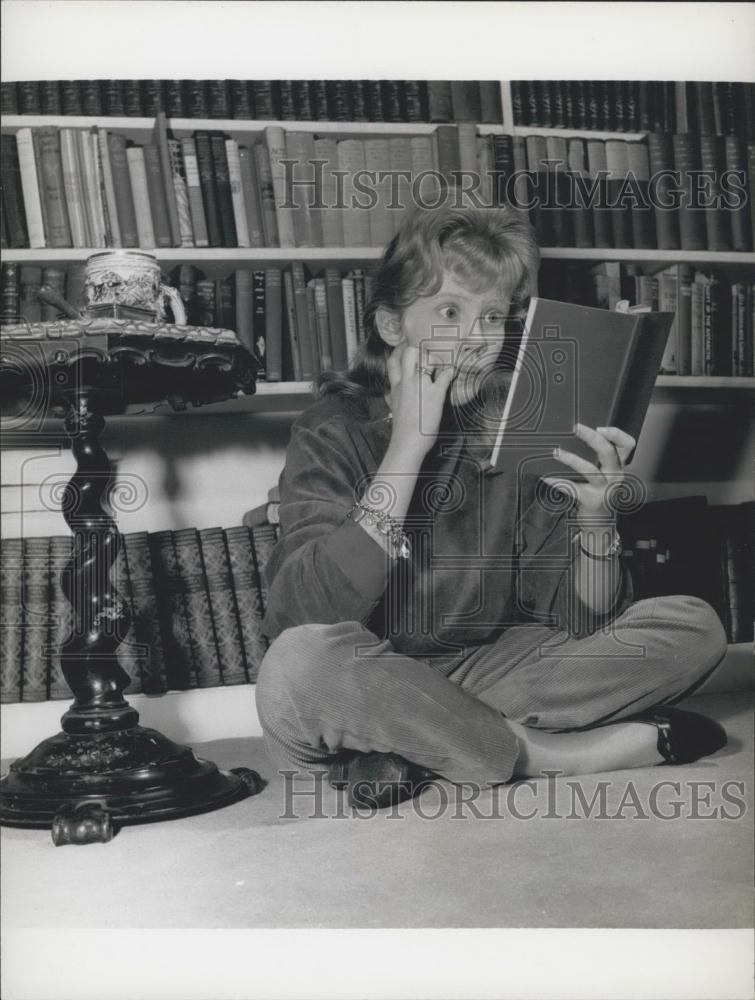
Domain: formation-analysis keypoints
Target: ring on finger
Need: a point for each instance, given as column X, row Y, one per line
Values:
column 422, row 370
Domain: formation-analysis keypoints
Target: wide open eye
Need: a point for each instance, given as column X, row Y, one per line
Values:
column 450, row 313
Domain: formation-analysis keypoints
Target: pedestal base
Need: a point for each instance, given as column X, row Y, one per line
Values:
column 85, row 785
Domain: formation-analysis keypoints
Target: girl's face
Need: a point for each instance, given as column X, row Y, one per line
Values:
column 459, row 327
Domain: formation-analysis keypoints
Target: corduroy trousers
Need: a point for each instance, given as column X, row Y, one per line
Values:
column 325, row 689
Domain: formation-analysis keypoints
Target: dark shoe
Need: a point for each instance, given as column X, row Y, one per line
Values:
column 683, row 737
column 378, row 780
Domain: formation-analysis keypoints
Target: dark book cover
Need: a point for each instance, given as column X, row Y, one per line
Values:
column 185, row 278
column 632, row 105
column 162, row 141
column 223, row 188
column 545, row 109
column 592, row 104
column 273, row 324
column 742, row 224
column 613, row 357
column 490, row 102
column 130, row 654
column 266, row 100
column 224, row 303
column 303, row 105
column 9, row 98
column 717, row 348
column 152, row 98
column 306, row 336
column 503, row 166
column 287, row 105
column 13, row 200
column 259, row 321
column 122, row 185
column 35, row 598
column 218, row 98
column 357, row 275
column 170, row 600
column 132, row 99
column 70, row 96
column 52, row 187
column 51, row 102
column 319, row 96
column 145, row 632
column 242, row 105
column 717, row 221
column 175, row 106
column 156, row 190
column 392, row 101
column 358, row 100
column 225, row 613
column 248, row 596
column 640, row 203
column 199, row 614
column 559, row 187
column 321, row 322
column 559, row 100
column 414, row 101
column 339, row 100
column 517, row 103
column 581, row 210
column 291, row 355
column 29, row 98
column 541, row 213
column 196, row 99
column 112, row 96
column 700, row 105
column 374, row 96
column 205, row 291
column 661, row 153
column 251, row 189
column 724, row 117
column 209, row 193
column 645, row 113
column 617, row 163
column 61, row 615
column 465, row 100
column 11, row 620
column 439, row 101
column 243, row 316
column 692, row 230
column 336, row 319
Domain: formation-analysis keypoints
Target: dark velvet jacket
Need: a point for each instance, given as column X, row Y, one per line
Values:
column 487, row 552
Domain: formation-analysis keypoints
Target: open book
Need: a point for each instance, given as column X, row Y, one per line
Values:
column 576, row 364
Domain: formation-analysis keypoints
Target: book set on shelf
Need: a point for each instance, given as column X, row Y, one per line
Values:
column 196, row 600
column 237, row 186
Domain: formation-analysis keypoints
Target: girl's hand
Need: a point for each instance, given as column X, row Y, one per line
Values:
column 612, row 447
column 417, row 397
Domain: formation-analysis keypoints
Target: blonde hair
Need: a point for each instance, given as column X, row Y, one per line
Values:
column 484, row 248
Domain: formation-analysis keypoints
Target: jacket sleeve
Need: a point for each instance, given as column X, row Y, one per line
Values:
column 325, row 568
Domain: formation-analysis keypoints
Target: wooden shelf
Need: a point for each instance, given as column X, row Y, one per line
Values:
column 243, row 256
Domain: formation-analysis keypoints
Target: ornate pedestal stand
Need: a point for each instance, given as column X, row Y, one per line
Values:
column 103, row 769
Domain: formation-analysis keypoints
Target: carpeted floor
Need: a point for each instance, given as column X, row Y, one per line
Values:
column 435, row 862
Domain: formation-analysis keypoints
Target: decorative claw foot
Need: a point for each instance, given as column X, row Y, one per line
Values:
column 251, row 779
column 82, row 823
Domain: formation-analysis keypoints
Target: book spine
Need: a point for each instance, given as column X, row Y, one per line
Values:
column 259, row 311
column 74, row 192
column 718, row 229
column 287, row 105
column 684, row 320
column 309, row 293
column 178, row 646
column 99, row 180
column 130, row 654
column 11, row 620
column 643, row 219
column 30, row 190
column 357, row 276
column 336, row 320
column 132, row 99
column 305, row 335
column 146, row 625
column 206, row 311
column 323, row 324
column 123, row 194
column 35, row 582
column 617, row 164
column 292, row 327
column 697, row 325
column 156, row 188
column 223, row 188
column 303, row 105
column 665, row 201
column 490, row 102
column 145, row 231
column 161, row 142
column 561, row 219
column 319, row 97
column 49, row 97
column 50, row 173
column 238, row 201
column 13, row 202
column 250, row 188
column 267, row 196
column 300, row 151
column 541, row 214
column 692, row 231
column 61, row 614
column 264, row 539
column 109, row 187
column 218, row 96
column 95, row 212
column 584, row 234
column 331, row 215
column 199, row 614
column 667, row 298
column 400, row 152
column 276, row 147
column 223, row 607
column 413, row 101
column 181, row 193
column 194, row 191
column 242, row 106
column 377, row 161
column 243, row 308
column 209, row 192
column 195, row 97
column 224, row 302
column 356, row 226
column 248, row 597
column 465, row 101
column 742, row 225
column 273, row 325
column 175, row 105
column 439, row 101
column 350, row 318
column 265, row 99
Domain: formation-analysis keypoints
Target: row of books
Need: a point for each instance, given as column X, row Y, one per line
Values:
column 267, row 100
column 295, row 325
column 91, row 188
column 686, row 546
column 196, row 600
column 721, row 108
column 673, row 192
column 712, row 333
